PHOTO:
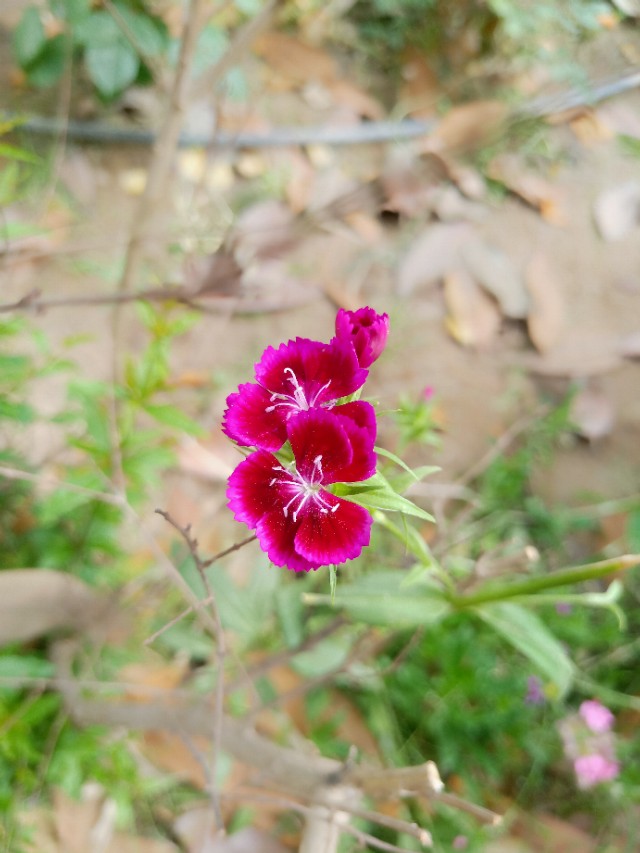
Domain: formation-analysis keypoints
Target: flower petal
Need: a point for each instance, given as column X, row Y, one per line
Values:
column 249, row 492
column 324, row 372
column 359, row 422
column 248, row 421
column 319, row 435
column 276, row 534
column 333, row 537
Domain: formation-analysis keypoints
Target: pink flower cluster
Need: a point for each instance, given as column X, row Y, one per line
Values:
column 589, row 744
column 299, row 407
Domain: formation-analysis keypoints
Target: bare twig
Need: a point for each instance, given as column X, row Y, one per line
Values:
column 33, row 301
column 221, row 648
column 153, row 637
column 299, row 772
column 166, row 144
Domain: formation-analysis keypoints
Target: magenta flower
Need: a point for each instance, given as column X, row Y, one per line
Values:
column 366, row 330
column 298, row 376
column 298, row 522
column 593, row 769
column 597, row 717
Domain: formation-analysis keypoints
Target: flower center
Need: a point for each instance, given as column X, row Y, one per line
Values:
column 297, row 400
column 302, row 490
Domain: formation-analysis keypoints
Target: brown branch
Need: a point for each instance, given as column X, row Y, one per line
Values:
column 302, row 773
column 165, row 146
column 221, row 648
column 34, row 301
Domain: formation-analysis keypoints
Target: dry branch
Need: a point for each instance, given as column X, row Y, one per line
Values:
column 300, row 773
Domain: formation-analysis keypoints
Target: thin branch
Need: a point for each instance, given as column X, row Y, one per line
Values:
column 166, row 144
column 221, row 647
column 49, row 480
column 153, row 637
column 34, row 301
column 302, row 773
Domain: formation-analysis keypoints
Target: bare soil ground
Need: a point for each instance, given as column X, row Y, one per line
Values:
column 91, row 199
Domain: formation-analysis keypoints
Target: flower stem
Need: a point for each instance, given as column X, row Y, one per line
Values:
column 532, row 585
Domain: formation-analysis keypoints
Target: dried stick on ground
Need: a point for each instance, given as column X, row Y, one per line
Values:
column 298, row 773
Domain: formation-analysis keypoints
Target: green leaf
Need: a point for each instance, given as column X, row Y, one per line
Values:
column 29, row 37
column 173, row 417
column 606, row 600
column 112, row 66
column 401, row 482
column 25, row 666
column 20, row 412
column 212, row 43
column 376, row 493
column 12, row 152
column 633, row 530
column 48, row 67
column 528, row 634
column 73, row 11
column 410, row 537
column 378, row 599
column 416, row 474
column 145, row 32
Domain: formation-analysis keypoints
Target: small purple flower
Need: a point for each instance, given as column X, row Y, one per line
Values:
column 366, row 330
column 563, row 608
column 596, row 716
column 535, row 693
column 298, row 522
column 593, row 769
column 298, row 376
column 460, row 842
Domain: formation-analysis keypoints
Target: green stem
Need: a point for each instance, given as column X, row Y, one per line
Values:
column 563, row 577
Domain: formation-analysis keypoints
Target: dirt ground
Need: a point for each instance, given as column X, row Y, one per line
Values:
column 92, row 197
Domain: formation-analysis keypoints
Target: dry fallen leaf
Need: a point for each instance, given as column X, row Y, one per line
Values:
column 545, row 319
column 421, row 88
column 171, row 753
column 497, row 273
column 580, row 352
column 628, row 7
column 348, row 94
column 408, row 180
column 592, row 413
column 84, row 825
column 293, row 61
column 34, row 602
column 589, row 127
column 467, row 127
column 617, row 211
column 473, row 317
column 432, row 255
column 532, row 188
column 196, row 831
column 551, row 834
column 630, row 345
column 264, row 230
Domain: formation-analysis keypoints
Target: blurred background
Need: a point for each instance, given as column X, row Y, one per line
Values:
column 183, row 184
